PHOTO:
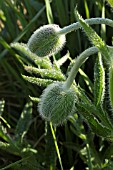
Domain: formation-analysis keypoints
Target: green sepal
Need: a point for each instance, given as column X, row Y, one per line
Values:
column 99, row 81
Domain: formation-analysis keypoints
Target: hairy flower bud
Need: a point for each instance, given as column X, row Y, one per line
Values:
column 46, row 41
column 57, row 104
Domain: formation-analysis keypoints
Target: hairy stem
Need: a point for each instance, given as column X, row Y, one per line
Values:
column 79, row 61
column 91, row 21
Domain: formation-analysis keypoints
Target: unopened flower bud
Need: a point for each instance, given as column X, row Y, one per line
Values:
column 57, row 104
column 46, row 41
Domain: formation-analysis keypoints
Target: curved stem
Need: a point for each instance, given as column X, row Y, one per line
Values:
column 91, row 21
column 79, row 61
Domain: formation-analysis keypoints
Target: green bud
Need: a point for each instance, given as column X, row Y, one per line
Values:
column 46, row 41
column 57, row 104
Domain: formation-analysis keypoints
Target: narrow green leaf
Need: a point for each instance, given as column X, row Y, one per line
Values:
column 100, row 129
column 110, row 2
column 42, row 62
column 86, row 9
column 23, row 123
column 63, row 59
column 12, row 71
column 99, row 81
column 34, row 99
column 61, row 12
column 111, row 84
column 5, row 122
column 4, row 135
column 72, row 6
column 6, row 45
column 68, row 140
column 49, row 12
column 85, row 102
column 45, row 73
column 89, row 107
column 38, row 81
column 14, row 164
column 87, row 80
column 50, row 148
column 25, row 30
column 56, row 145
column 111, row 77
column 96, row 126
column 9, row 148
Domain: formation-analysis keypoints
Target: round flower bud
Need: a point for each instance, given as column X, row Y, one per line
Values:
column 57, row 104
column 46, row 41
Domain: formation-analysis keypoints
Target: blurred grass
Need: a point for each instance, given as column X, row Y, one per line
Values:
column 18, row 19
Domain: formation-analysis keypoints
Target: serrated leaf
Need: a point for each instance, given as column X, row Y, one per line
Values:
column 38, row 81
column 99, row 81
column 96, row 126
column 42, row 62
column 46, row 73
column 100, row 129
column 87, row 106
column 94, row 37
column 23, row 123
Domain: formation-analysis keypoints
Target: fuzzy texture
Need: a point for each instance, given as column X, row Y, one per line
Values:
column 57, row 104
column 111, row 83
column 46, row 41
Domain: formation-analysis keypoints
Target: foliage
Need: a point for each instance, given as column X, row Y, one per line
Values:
column 27, row 141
